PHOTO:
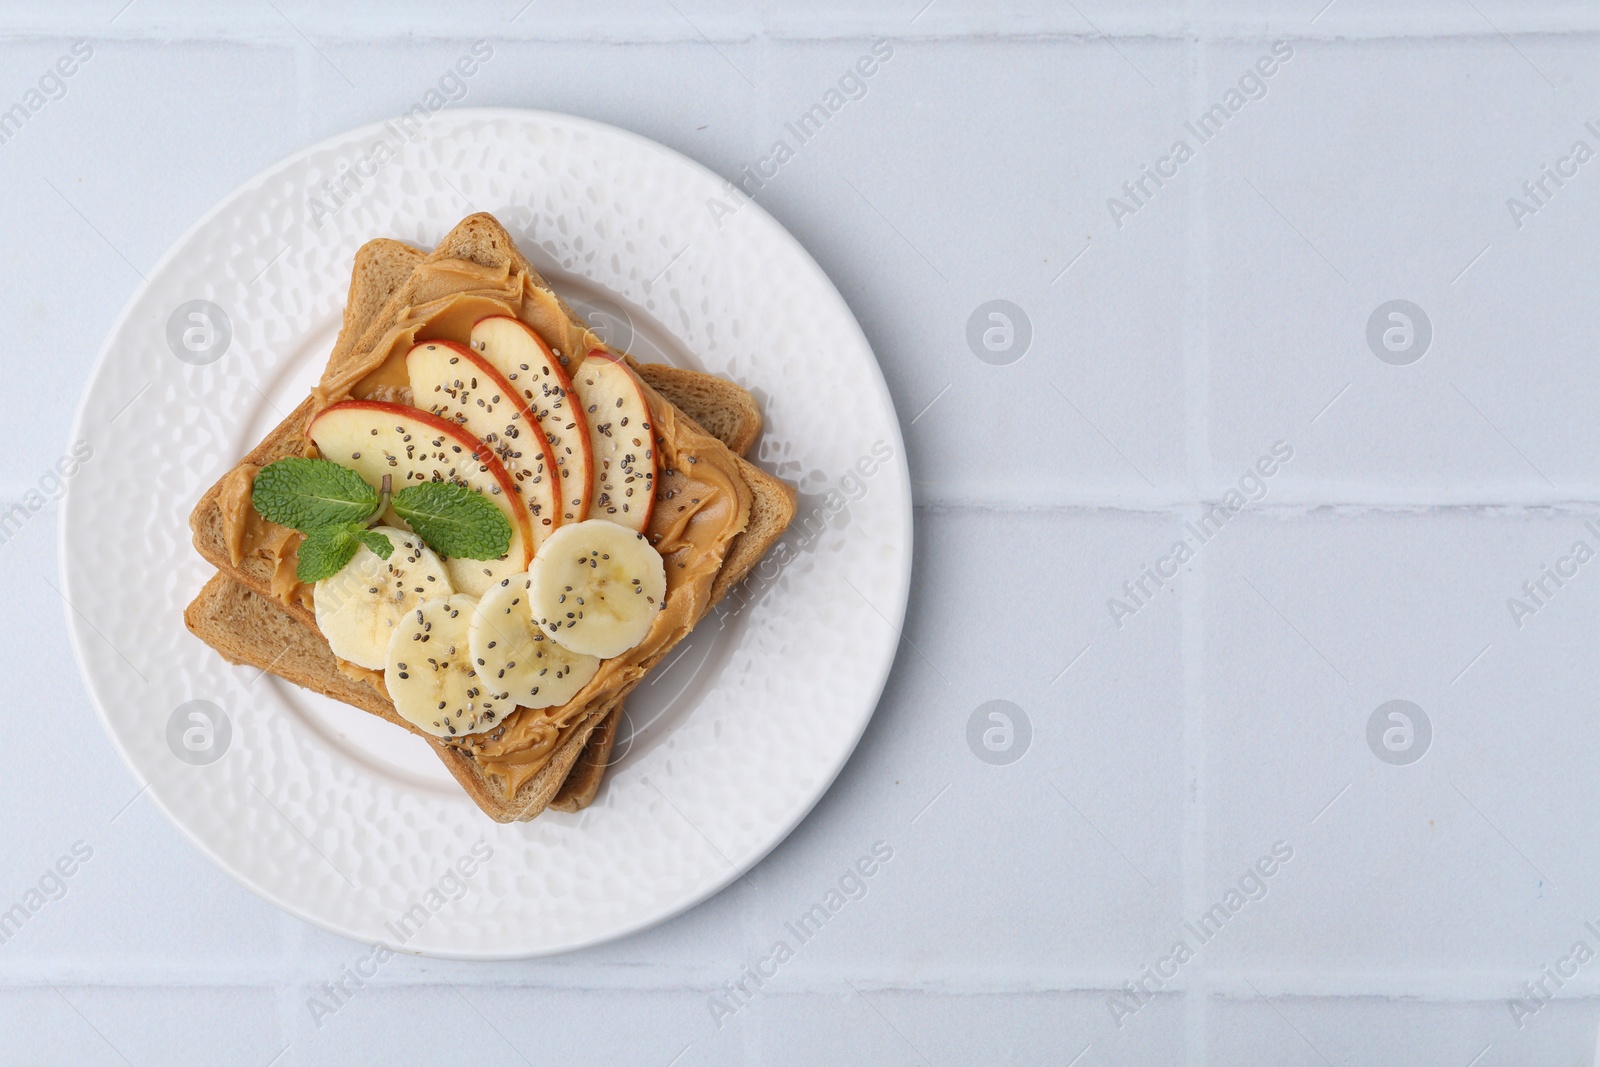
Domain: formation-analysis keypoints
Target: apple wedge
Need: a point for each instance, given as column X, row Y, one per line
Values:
column 374, row 438
column 620, row 436
column 513, row 349
column 462, row 387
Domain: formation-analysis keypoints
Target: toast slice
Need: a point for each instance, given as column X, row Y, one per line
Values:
column 722, row 408
column 480, row 240
column 254, row 630
column 247, row 628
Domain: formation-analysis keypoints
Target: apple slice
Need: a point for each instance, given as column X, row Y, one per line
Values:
column 462, row 387
column 374, row 438
column 620, row 435
column 513, row 349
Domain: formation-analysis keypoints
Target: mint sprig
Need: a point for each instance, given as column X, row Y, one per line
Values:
column 327, row 550
column 377, row 542
column 333, row 506
column 309, row 493
column 454, row 520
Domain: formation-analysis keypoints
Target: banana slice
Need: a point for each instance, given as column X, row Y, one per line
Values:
column 595, row 587
column 429, row 670
column 517, row 661
column 357, row 609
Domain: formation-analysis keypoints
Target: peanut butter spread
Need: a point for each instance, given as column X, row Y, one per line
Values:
column 702, row 501
column 246, row 532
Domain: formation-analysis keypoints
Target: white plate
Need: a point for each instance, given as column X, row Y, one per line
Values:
column 353, row 824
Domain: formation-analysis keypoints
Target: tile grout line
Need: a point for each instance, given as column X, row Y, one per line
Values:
column 1197, row 383
column 1290, row 508
column 756, row 909
column 1217, row 30
column 1227, row 981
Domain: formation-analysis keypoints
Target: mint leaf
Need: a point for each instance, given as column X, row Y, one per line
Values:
column 309, row 493
column 377, row 542
column 326, row 550
column 454, row 520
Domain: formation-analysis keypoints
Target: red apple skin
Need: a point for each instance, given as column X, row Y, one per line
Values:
column 513, row 396
column 480, row 453
column 581, row 472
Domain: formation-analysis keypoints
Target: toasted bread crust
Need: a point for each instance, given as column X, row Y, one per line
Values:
column 583, row 781
column 722, row 409
column 228, row 616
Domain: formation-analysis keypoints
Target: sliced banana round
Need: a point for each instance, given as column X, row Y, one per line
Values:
column 517, row 661
column 357, row 609
column 595, row 587
column 429, row 670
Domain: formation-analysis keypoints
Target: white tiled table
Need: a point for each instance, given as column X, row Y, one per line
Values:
column 1169, row 754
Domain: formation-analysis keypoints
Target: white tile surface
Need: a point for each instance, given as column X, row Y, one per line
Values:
column 1167, row 755
column 64, row 1023
column 1332, row 212
column 1303, row 1033
column 101, row 181
column 1492, row 820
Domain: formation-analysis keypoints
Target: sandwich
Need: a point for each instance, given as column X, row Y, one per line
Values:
column 460, row 378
